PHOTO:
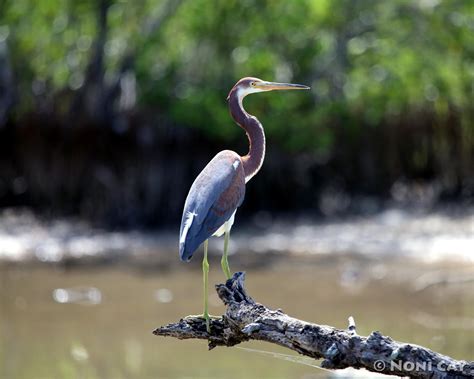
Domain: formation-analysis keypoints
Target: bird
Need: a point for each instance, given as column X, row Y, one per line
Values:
column 219, row 189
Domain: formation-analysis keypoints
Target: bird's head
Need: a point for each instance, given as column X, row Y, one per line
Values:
column 246, row 86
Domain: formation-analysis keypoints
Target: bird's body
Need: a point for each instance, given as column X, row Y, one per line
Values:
column 213, row 199
column 219, row 189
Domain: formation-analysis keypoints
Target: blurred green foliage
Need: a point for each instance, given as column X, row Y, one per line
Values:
column 367, row 61
column 391, row 100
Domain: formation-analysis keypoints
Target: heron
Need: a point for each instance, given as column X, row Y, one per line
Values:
column 219, row 189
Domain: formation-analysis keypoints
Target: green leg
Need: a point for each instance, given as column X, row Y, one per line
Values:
column 224, row 261
column 205, row 274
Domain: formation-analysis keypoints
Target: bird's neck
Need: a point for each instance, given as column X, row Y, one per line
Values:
column 253, row 161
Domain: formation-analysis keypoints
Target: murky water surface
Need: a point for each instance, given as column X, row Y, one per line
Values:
column 96, row 322
column 432, row 235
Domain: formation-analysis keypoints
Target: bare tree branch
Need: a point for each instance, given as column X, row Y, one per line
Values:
column 245, row 320
column 151, row 26
column 7, row 85
column 96, row 95
column 91, row 94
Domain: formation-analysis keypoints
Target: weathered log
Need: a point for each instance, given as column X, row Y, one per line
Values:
column 245, row 320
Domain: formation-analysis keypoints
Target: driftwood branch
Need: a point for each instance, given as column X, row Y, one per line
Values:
column 245, row 320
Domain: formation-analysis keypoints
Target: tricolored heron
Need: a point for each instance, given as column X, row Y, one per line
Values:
column 219, row 189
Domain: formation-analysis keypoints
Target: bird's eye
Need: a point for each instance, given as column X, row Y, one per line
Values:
column 253, row 84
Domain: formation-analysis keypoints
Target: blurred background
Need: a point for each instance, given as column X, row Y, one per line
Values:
column 108, row 111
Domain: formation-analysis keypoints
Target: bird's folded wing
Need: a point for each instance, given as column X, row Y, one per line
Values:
column 214, row 196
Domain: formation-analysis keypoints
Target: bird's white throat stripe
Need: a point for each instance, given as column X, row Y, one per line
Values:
column 248, row 177
column 187, row 224
column 242, row 92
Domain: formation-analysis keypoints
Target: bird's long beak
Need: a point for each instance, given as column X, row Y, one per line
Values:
column 271, row 86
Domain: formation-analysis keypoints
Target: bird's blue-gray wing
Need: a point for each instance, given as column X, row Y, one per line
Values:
column 214, row 196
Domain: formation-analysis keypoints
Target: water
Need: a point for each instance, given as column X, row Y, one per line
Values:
column 80, row 302
column 97, row 321
column 431, row 235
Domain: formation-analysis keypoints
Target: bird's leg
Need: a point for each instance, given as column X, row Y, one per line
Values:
column 224, row 261
column 205, row 274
